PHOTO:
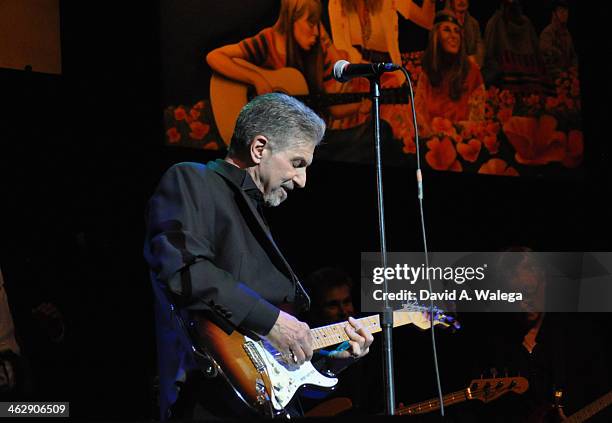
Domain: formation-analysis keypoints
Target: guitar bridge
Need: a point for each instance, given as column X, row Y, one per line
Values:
column 254, row 356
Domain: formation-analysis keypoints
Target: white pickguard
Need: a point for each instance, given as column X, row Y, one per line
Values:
column 285, row 379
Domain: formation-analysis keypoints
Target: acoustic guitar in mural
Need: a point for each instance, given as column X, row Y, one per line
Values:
column 485, row 390
column 260, row 378
column 227, row 96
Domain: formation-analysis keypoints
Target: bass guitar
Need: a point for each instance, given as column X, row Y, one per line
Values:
column 590, row 410
column 485, row 390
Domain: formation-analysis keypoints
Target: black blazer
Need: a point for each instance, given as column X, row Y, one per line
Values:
column 208, row 245
column 209, row 249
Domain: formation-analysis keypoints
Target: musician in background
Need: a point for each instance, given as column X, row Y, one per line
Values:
column 210, row 250
column 9, row 349
column 550, row 349
column 330, row 290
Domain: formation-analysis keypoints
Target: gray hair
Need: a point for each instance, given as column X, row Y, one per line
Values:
column 282, row 119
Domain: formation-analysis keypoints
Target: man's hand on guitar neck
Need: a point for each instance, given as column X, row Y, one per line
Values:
column 292, row 338
column 360, row 340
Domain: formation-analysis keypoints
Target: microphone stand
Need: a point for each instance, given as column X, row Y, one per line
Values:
column 387, row 315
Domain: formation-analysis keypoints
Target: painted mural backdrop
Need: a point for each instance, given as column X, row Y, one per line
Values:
column 496, row 82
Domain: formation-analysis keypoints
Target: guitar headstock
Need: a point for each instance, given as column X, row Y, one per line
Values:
column 487, row 390
column 421, row 318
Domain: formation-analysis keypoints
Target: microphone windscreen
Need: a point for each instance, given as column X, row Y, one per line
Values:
column 338, row 69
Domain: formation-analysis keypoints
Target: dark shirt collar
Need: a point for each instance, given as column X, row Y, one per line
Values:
column 242, row 179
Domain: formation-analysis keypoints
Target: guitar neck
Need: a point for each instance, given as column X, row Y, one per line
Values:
column 334, row 334
column 434, row 404
column 591, row 409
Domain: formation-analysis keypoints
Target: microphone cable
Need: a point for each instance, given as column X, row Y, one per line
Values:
column 419, row 177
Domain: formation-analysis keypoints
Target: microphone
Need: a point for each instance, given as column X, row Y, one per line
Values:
column 344, row 71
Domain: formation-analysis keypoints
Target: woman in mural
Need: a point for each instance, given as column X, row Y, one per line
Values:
column 297, row 40
column 368, row 29
column 450, row 86
column 556, row 43
column 512, row 58
column 474, row 46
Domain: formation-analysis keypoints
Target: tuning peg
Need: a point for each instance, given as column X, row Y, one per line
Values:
column 493, row 372
column 506, row 372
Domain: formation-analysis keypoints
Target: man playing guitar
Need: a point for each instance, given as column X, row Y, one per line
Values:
column 211, row 254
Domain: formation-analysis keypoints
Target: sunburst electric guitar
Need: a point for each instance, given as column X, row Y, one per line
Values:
column 258, row 375
column 227, row 97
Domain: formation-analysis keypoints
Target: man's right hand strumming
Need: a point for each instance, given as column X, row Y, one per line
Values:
column 292, row 338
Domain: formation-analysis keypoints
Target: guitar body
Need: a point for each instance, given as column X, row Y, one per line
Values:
column 254, row 370
column 227, row 97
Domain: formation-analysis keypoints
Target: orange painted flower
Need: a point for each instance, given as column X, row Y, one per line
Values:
column 492, row 93
column 456, row 166
column 489, row 111
column 492, row 128
column 179, row 113
column 574, row 149
column 469, row 129
column 470, row 150
column 504, row 114
column 174, row 136
column 442, row 155
column 194, row 113
column 532, row 100
column 403, row 129
column 575, row 90
column 497, row 167
column 198, row 130
column 199, row 105
column 491, row 143
column 442, row 125
column 551, row 102
column 507, row 98
column 211, row 145
column 536, row 141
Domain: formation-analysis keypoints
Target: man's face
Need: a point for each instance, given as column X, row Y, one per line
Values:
column 529, row 280
column 337, row 305
column 280, row 171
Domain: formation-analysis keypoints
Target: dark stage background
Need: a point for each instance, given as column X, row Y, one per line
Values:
column 82, row 152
